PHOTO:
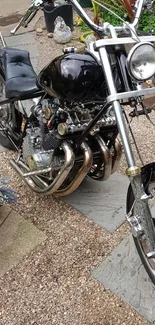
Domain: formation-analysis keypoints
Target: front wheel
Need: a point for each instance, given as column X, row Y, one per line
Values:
column 148, row 179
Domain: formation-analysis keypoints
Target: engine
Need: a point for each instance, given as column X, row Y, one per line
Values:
column 33, row 153
column 54, row 123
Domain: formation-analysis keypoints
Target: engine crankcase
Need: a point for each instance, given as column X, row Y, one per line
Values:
column 33, row 154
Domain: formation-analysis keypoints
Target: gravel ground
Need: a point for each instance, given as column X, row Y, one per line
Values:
column 53, row 285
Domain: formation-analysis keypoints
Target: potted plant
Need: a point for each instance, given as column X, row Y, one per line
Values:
column 122, row 7
column 51, row 12
column 85, row 3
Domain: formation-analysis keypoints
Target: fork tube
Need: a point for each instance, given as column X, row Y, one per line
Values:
column 133, row 171
column 117, row 108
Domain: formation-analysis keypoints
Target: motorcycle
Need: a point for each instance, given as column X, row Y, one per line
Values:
column 76, row 123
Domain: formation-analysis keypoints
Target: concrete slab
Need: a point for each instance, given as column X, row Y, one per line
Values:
column 20, row 39
column 4, row 213
column 123, row 273
column 34, row 62
column 2, row 149
column 23, row 42
column 17, row 238
column 102, row 202
column 9, row 6
column 31, row 48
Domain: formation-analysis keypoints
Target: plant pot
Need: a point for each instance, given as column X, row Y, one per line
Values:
column 51, row 13
column 84, row 35
column 85, row 3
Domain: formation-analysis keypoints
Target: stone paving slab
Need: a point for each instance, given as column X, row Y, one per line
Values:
column 2, row 149
column 20, row 39
column 25, row 42
column 31, row 48
column 9, row 6
column 4, row 213
column 102, row 202
column 17, row 238
column 123, row 273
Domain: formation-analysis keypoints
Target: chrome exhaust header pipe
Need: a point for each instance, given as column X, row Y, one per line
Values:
column 44, row 188
column 83, row 171
column 109, row 161
column 106, row 158
column 117, row 155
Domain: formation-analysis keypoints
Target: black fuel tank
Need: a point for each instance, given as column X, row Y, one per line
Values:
column 74, row 77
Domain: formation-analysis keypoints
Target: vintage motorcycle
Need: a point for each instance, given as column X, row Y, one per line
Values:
column 76, row 116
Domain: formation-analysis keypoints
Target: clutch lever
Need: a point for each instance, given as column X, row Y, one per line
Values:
column 30, row 13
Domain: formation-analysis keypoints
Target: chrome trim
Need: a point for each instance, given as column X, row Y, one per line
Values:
column 117, row 155
column 38, row 172
column 83, row 171
column 129, row 60
column 124, row 40
column 139, row 6
column 130, row 94
column 3, row 40
column 101, row 29
column 31, row 11
column 106, row 157
column 117, row 107
column 35, row 178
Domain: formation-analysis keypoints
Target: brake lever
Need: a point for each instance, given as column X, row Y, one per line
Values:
column 32, row 10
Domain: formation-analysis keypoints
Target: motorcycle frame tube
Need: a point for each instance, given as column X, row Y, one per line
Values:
column 133, row 171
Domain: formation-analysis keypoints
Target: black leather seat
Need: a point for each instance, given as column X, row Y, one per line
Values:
column 20, row 78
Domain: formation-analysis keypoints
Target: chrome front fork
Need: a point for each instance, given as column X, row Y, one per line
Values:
column 133, row 171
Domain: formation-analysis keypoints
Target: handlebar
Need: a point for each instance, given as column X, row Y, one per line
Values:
column 102, row 29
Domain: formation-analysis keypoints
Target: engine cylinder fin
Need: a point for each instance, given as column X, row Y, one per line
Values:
column 83, row 171
column 49, row 140
column 58, row 180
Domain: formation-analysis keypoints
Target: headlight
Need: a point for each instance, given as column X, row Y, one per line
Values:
column 141, row 61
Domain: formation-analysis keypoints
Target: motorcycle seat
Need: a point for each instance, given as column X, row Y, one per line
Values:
column 20, row 77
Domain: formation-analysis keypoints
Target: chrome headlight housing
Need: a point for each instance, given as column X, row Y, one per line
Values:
column 141, row 61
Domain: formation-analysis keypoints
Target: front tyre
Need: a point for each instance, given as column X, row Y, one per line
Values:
column 148, row 179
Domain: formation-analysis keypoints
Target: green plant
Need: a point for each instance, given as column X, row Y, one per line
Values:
column 108, row 17
column 123, row 8
column 120, row 6
column 84, row 27
column 96, row 9
column 147, row 23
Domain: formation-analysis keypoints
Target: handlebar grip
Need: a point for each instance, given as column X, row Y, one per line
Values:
column 32, row 15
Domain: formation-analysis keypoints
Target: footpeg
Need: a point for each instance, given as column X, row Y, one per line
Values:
column 136, row 226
